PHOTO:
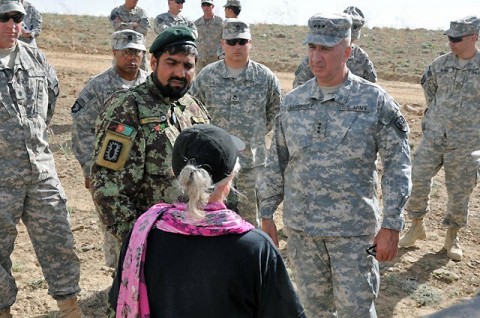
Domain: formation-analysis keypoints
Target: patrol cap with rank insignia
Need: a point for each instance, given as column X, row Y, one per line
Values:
column 236, row 29
column 128, row 39
column 328, row 29
column 11, row 6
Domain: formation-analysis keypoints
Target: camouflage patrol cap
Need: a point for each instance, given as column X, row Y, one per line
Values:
column 233, row 3
column 235, row 29
column 328, row 29
column 206, row 1
column 11, row 5
column 175, row 35
column 465, row 26
column 128, row 39
column 358, row 20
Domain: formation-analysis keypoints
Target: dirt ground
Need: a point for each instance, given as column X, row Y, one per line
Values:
column 420, row 281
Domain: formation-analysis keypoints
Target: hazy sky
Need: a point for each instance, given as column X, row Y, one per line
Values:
column 431, row 14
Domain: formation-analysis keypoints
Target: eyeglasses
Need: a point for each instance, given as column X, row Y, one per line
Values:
column 206, row 4
column 372, row 250
column 132, row 52
column 457, row 39
column 234, row 42
column 17, row 17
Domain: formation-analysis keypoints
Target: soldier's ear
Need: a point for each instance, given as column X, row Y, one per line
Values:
column 153, row 63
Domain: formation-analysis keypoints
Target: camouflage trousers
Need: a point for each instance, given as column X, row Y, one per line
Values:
column 335, row 276
column 245, row 203
column 460, row 180
column 42, row 208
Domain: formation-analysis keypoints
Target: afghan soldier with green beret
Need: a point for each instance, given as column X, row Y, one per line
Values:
column 136, row 132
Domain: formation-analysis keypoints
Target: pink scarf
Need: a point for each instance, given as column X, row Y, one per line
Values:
column 132, row 297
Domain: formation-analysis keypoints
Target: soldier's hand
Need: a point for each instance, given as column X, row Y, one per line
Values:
column 269, row 227
column 386, row 242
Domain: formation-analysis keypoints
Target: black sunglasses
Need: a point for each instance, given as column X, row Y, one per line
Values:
column 456, row 39
column 206, row 4
column 17, row 17
column 234, row 42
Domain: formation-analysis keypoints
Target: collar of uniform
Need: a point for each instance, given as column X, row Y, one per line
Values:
column 131, row 10
column 22, row 61
column 248, row 74
column 473, row 63
column 340, row 97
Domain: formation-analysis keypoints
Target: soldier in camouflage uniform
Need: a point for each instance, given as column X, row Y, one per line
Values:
column 232, row 9
column 243, row 97
column 32, row 24
column 358, row 63
column 128, row 48
column 322, row 164
column 209, row 27
column 451, row 132
column 31, row 190
column 130, row 17
column 173, row 17
column 132, row 168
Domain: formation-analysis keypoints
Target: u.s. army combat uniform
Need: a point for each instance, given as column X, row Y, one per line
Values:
column 451, row 132
column 87, row 108
column 322, row 164
column 165, row 20
column 122, row 18
column 358, row 63
column 30, row 189
column 133, row 151
column 208, row 42
column 245, row 106
column 32, row 22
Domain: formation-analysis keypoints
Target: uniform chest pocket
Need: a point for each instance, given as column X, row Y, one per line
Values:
column 32, row 93
column 159, row 141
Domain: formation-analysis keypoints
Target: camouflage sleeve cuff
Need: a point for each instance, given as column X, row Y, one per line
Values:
column 268, row 206
column 393, row 223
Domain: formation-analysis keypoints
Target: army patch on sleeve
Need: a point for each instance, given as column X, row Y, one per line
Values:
column 116, row 146
column 401, row 123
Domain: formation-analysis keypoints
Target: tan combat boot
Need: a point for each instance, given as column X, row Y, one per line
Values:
column 5, row 313
column 416, row 232
column 452, row 245
column 69, row 308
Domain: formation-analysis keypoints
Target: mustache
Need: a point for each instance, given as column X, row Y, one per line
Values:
column 180, row 79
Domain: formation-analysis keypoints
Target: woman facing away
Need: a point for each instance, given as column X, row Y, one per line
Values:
column 199, row 259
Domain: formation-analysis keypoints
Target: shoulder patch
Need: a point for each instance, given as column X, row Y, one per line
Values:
column 116, row 146
column 401, row 123
column 121, row 129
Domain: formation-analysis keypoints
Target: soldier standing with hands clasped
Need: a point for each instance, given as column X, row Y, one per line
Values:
column 322, row 163
column 30, row 189
column 451, row 132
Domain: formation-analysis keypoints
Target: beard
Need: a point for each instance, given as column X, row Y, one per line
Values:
column 171, row 91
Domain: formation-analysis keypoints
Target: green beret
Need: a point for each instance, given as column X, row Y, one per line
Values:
column 175, row 35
